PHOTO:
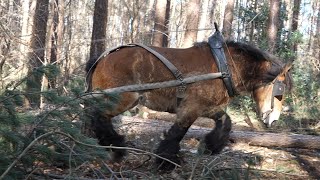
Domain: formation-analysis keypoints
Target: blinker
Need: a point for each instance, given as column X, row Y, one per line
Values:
column 278, row 90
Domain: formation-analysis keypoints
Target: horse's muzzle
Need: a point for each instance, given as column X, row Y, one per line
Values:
column 268, row 119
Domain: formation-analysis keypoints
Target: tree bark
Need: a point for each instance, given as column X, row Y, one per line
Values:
column 295, row 20
column 203, row 20
column 139, row 126
column 160, row 34
column 228, row 18
column 273, row 21
column 190, row 36
column 316, row 44
column 98, row 45
column 253, row 22
column 100, row 18
column 37, row 55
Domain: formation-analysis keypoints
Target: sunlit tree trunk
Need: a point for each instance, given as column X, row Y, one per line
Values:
column 253, row 26
column 160, row 34
column 228, row 18
column 316, row 44
column 37, row 55
column 212, row 4
column 238, row 5
column 190, row 36
column 273, row 20
column 203, row 20
column 289, row 7
column 167, row 20
column 24, row 27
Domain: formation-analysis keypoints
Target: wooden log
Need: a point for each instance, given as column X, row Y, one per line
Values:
column 150, row 127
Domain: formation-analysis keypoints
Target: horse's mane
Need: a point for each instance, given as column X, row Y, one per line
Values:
column 251, row 50
column 258, row 55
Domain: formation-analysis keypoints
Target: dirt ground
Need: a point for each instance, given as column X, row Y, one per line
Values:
column 236, row 161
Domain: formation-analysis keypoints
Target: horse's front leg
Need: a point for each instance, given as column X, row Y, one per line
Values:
column 170, row 146
column 218, row 138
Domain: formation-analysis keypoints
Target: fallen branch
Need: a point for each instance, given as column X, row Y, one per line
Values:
column 150, row 127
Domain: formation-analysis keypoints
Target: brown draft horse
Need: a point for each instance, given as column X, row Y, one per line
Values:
column 253, row 71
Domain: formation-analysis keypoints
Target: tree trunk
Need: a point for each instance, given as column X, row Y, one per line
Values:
column 253, row 22
column 138, row 126
column 212, row 19
column 100, row 18
column 295, row 20
column 273, row 21
column 56, row 34
column 228, row 18
column 24, row 28
column 97, row 43
column 166, row 24
column 316, row 44
column 37, row 54
column 203, row 19
column 190, row 36
column 160, row 25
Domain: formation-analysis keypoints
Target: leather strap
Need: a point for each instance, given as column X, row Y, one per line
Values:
column 89, row 73
column 216, row 45
column 177, row 74
column 173, row 69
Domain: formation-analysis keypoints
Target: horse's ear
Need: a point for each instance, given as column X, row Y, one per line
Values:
column 285, row 69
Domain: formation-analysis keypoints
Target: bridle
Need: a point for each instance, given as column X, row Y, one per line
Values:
column 278, row 90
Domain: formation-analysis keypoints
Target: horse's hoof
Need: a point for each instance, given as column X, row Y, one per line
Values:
column 118, row 155
column 166, row 166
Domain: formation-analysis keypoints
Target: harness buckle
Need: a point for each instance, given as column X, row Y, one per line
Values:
column 225, row 75
column 181, row 90
column 178, row 75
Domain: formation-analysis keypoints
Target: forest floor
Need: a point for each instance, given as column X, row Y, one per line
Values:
column 236, row 161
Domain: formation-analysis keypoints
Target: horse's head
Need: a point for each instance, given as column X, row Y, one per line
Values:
column 270, row 97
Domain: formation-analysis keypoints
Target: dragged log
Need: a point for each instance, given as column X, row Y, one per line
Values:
column 139, row 126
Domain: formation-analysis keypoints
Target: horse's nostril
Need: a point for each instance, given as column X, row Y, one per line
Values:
column 273, row 124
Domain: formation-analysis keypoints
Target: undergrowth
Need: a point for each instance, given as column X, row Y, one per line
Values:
column 61, row 118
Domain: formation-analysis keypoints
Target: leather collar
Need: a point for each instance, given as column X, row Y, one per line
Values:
column 216, row 45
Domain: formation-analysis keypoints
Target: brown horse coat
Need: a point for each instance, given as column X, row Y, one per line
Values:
column 135, row 65
column 250, row 67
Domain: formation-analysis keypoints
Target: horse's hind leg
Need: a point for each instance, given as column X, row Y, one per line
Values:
column 103, row 128
column 218, row 138
column 105, row 133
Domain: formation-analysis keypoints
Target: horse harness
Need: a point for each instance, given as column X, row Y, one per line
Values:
column 215, row 43
column 277, row 91
column 216, row 46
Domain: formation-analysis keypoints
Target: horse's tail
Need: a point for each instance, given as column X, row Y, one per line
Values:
column 90, row 66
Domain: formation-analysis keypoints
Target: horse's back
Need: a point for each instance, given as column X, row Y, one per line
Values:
column 135, row 65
